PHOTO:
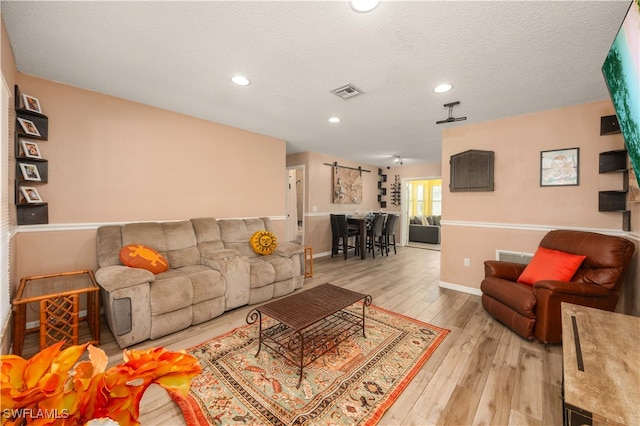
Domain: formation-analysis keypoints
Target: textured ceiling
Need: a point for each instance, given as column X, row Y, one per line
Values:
column 503, row 59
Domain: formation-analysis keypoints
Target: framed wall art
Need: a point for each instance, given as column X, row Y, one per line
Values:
column 560, row 167
column 28, row 126
column 31, row 103
column 30, row 172
column 30, row 149
column 30, row 194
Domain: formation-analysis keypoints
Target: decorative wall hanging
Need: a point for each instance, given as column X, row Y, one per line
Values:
column 347, row 185
column 559, row 167
column 396, row 188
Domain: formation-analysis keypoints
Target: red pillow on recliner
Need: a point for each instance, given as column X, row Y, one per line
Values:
column 550, row 264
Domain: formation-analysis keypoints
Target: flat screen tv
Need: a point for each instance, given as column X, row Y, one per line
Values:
column 621, row 70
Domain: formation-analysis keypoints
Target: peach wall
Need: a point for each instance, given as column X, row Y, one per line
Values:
column 519, row 212
column 115, row 160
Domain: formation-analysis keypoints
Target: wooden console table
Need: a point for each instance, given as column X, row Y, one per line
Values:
column 59, row 301
column 601, row 367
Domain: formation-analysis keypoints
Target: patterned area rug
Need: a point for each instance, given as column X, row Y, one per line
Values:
column 354, row 384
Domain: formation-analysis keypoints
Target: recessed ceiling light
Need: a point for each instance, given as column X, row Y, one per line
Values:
column 364, row 5
column 441, row 88
column 334, row 120
column 241, row 80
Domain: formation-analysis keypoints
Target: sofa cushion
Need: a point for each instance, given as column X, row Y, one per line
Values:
column 262, row 273
column 548, row 264
column 207, row 283
column 143, row 257
column 172, row 290
column 436, row 220
column 236, row 233
column 207, row 233
column 181, row 244
column 283, row 266
column 149, row 234
column 429, row 221
column 263, row 242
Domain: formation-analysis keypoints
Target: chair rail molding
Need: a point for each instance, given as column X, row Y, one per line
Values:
column 56, row 227
column 633, row 235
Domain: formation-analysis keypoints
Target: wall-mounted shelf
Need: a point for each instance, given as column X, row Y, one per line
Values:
column 616, row 200
column 613, row 161
column 31, row 172
column 609, row 125
column 382, row 190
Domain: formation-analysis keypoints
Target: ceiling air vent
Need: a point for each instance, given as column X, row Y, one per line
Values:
column 346, row 92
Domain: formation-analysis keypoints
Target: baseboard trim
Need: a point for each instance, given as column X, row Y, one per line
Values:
column 461, row 288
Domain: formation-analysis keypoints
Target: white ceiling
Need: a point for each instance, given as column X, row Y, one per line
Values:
column 503, row 59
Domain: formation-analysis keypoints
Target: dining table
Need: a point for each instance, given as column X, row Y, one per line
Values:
column 361, row 223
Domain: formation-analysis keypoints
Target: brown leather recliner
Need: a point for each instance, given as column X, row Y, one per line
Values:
column 534, row 311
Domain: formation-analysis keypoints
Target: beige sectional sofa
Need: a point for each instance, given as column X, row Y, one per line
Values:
column 212, row 269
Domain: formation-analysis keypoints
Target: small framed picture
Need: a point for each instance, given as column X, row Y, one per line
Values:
column 30, row 194
column 559, row 167
column 31, row 103
column 30, row 149
column 30, row 172
column 28, row 126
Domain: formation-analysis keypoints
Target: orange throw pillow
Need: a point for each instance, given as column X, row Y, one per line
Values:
column 263, row 242
column 139, row 256
column 550, row 264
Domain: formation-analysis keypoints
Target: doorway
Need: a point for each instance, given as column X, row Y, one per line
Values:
column 421, row 197
column 295, row 199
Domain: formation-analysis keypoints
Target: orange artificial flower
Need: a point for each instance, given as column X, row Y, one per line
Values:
column 53, row 388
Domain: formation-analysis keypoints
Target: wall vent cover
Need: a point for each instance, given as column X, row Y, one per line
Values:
column 346, row 92
column 514, row 256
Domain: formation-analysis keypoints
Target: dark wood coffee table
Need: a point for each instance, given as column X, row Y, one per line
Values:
column 310, row 323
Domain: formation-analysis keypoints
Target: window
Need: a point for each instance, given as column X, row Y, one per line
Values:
column 420, row 201
column 436, row 200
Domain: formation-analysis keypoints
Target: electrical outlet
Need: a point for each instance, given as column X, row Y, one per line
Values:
column 467, row 261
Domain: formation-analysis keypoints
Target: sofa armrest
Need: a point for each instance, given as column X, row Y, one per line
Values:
column 506, row 270
column 289, row 249
column 549, row 296
column 116, row 277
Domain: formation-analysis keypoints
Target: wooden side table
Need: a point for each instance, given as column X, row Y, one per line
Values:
column 59, row 300
column 308, row 262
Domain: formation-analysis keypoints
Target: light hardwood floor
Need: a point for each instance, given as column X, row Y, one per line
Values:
column 481, row 374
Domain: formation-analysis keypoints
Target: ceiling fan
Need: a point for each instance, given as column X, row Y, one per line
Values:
column 451, row 118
